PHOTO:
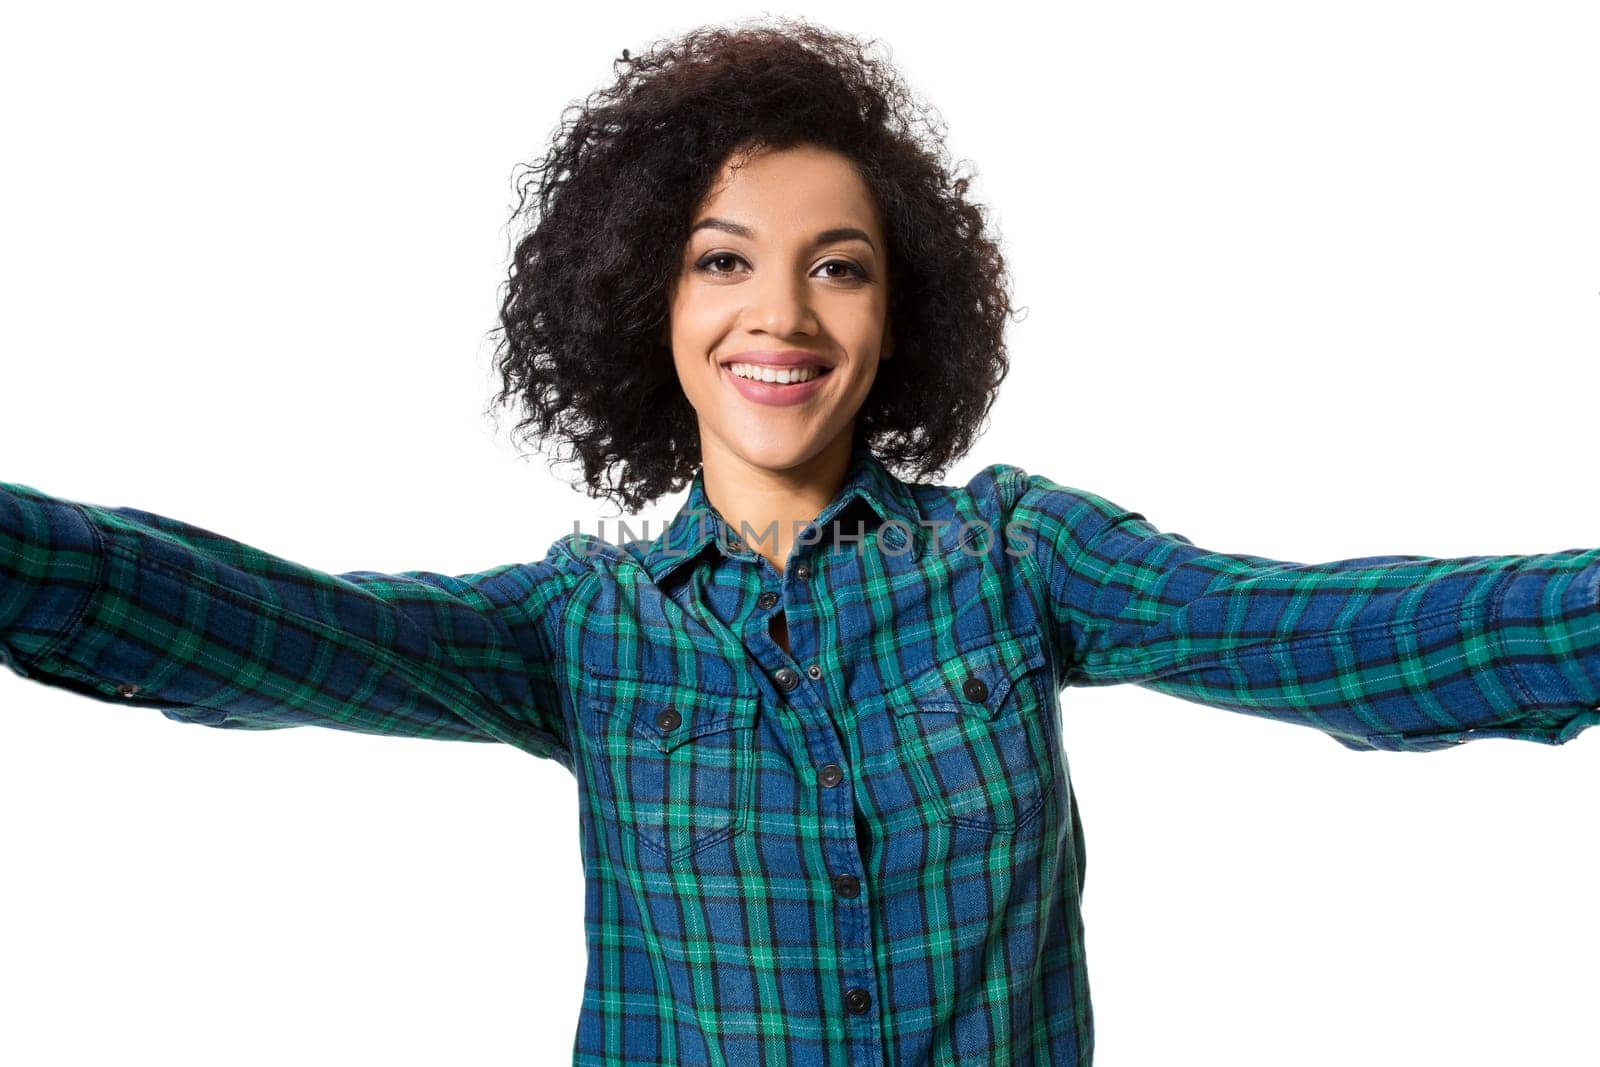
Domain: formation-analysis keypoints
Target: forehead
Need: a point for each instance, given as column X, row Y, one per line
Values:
column 790, row 192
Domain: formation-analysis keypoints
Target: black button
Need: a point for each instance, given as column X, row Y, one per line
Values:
column 847, row 885
column 857, row 1000
column 668, row 720
column 830, row 775
column 127, row 689
column 813, row 672
column 786, row 678
column 802, row 570
column 766, row 600
column 973, row 688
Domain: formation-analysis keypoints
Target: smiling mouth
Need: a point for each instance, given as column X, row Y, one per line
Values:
column 776, row 376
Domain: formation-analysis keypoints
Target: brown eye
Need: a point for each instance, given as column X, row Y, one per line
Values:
column 851, row 270
column 715, row 257
column 704, row 264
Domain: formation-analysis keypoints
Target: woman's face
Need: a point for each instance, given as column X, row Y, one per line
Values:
column 786, row 263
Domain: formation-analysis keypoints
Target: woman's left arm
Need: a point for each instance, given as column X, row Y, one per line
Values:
column 1408, row 653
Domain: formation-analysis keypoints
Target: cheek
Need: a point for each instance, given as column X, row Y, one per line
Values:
column 697, row 324
column 697, row 298
column 696, row 329
column 854, row 318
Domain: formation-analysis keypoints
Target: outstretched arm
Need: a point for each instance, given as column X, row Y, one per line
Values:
column 1407, row 653
column 123, row 605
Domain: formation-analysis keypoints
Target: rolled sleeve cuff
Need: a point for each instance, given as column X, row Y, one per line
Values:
column 1548, row 616
column 51, row 559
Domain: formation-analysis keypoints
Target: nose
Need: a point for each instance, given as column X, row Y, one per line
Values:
column 780, row 304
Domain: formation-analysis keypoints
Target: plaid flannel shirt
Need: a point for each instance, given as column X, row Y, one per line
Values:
column 866, row 850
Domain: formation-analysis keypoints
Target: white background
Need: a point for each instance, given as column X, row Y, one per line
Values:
column 1310, row 281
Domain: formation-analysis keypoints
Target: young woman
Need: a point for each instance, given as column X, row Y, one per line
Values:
column 825, row 811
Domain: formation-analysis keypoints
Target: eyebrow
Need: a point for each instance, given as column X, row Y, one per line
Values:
column 838, row 233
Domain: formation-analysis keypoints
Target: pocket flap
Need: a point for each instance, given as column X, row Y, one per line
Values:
column 948, row 687
column 666, row 716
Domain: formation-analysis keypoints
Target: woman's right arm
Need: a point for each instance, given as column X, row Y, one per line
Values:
column 124, row 605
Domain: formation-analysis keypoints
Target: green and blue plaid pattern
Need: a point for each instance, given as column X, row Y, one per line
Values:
column 866, row 850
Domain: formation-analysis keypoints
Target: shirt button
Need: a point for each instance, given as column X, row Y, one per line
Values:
column 830, row 775
column 813, row 672
column 766, row 600
column 786, row 678
column 802, row 570
column 847, row 885
column 127, row 689
column 973, row 688
column 857, row 1000
column 668, row 720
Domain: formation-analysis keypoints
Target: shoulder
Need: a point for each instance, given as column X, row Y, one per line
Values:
column 584, row 552
column 541, row 584
column 1013, row 503
column 1008, row 491
column 1040, row 498
column 1038, row 515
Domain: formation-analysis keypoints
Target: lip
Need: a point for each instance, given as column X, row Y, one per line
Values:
column 786, row 358
column 771, row 393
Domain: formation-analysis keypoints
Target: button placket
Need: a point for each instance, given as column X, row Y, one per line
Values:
column 846, row 886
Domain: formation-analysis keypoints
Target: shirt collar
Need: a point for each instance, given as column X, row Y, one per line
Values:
column 698, row 524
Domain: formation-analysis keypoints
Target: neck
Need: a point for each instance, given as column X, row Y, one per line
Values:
column 767, row 507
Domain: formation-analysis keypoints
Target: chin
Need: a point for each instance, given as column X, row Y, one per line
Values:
column 779, row 454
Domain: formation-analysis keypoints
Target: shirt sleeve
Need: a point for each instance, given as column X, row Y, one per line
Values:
column 123, row 605
column 1397, row 652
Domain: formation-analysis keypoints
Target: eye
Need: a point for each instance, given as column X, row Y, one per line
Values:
column 705, row 263
column 715, row 257
column 851, row 270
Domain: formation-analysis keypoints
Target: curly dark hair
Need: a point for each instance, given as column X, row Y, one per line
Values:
column 585, row 312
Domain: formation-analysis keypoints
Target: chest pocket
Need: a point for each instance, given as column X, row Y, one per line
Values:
column 974, row 730
column 672, row 764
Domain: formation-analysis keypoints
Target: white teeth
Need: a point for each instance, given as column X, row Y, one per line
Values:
column 758, row 373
